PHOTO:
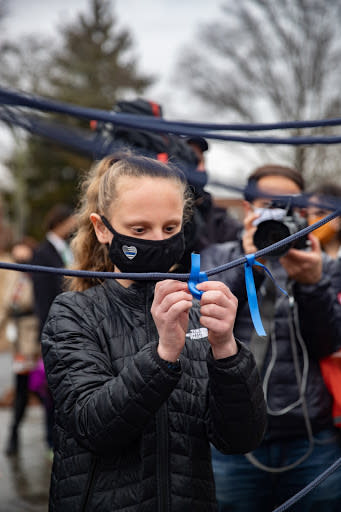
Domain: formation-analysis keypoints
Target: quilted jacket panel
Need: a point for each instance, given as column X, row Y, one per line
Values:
column 132, row 434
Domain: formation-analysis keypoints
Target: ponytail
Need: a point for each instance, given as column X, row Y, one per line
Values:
column 89, row 254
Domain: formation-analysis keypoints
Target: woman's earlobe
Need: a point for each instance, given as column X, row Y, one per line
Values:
column 102, row 233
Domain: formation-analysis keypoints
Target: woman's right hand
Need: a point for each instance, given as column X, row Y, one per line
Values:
column 170, row 311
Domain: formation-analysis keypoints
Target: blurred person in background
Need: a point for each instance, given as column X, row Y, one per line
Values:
column 329, row 236
column 6, row 277
column 210, row 223
column 301, row 440
column 53, row 251
column 22, row 333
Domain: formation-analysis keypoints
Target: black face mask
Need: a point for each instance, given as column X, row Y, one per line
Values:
column 132, row 254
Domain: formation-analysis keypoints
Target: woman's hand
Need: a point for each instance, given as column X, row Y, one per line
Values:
column 170, row 311
column 218, row 308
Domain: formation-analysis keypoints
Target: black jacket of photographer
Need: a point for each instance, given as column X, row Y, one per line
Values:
column 131, row 433
column 319, row 321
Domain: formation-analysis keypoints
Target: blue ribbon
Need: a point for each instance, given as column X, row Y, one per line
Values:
column 252, row 294
column 196, row 276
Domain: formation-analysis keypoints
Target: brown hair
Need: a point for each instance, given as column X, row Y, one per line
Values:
column 277, row 170
column 98, row 193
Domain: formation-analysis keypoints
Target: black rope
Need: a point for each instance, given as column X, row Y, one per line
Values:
column 160, row 125
column 318, row 480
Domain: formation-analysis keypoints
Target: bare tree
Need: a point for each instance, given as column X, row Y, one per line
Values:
column 272, row 60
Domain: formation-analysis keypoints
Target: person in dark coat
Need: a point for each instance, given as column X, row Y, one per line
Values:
column 143, row 378
column 209, row 223
column 301, row 441
column 53, row 251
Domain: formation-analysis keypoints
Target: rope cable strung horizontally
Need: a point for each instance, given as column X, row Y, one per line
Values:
column 160, row 125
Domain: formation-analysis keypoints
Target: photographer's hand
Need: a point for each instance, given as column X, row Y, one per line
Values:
column 249, row 230
column 304, row 267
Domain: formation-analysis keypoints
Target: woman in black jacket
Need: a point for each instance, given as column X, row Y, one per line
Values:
column 143, row 380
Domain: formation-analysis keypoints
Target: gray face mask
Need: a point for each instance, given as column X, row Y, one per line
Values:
column 132, row 254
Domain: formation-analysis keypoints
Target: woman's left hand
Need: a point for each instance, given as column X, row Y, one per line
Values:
column 218, row 308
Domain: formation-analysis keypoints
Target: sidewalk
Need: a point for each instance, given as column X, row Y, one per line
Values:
column 25, row 478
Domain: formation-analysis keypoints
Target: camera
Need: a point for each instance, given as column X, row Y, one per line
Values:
column 275, row 223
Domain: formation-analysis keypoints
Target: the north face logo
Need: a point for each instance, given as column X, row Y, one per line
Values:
column 197, row 334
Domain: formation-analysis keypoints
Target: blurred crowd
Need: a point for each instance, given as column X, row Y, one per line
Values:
column 25, row 301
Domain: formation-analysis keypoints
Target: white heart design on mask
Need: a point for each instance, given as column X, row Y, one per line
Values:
column 130, row 251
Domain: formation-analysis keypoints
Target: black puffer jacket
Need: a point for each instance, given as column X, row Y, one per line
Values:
column 319, row 320
column 131, row 433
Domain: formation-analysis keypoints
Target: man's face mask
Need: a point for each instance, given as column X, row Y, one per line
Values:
column 132, row 254
column 268, row 214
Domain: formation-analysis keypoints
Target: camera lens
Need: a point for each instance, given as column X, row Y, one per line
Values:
column 270, row 232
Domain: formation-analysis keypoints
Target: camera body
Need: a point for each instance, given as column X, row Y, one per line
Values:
column 275, row 223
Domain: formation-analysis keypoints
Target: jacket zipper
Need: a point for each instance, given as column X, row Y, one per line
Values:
column 162, row 464
column 90, row 485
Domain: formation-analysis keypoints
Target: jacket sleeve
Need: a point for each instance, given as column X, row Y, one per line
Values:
column 100, row 409
column 237, row 410
column 319, row 314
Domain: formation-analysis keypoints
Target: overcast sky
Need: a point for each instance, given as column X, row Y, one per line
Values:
column 160, row 29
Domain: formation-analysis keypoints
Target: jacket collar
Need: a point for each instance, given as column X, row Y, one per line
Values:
column 137, row 294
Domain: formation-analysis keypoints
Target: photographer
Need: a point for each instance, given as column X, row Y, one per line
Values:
column 301, row 441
